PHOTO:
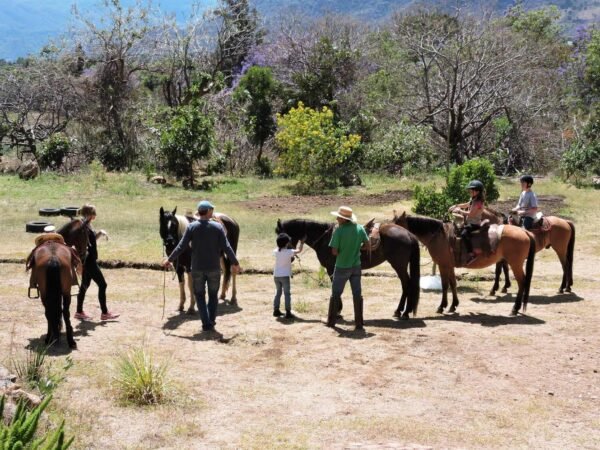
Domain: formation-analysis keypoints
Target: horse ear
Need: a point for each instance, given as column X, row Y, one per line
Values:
column 278, row 228
column 162, row 211
column 174, row 211
column 403, row 216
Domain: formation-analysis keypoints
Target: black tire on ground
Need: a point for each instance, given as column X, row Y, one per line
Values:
column 49, row 211
column 36, row 226
column 69, row 211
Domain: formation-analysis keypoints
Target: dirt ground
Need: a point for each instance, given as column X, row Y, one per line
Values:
column 471, row 380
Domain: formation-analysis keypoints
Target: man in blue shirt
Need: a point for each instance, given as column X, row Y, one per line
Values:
column 208, row 241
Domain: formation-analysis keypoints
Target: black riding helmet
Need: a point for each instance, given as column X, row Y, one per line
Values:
column 526, row 179
column 476, row 185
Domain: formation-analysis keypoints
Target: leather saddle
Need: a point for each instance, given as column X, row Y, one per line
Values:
column 372, row 229
column 484, row 241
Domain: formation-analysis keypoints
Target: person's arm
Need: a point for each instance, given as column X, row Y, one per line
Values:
column 366, row 242
column 334, row 243
column 183, row 244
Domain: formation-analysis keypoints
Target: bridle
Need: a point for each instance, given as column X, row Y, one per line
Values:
column 304, row 239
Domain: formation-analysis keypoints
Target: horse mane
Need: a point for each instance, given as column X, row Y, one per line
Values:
column 426, row 225
column 183, row 223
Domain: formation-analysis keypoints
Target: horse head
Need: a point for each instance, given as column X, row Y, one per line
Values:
column 401, row 219
column 169, row 228
column 75, row 234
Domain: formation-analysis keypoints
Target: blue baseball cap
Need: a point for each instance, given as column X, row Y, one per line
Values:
column 205, row 204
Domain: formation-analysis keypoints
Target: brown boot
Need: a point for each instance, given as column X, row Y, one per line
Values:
column 358, row 313
column 333, row 310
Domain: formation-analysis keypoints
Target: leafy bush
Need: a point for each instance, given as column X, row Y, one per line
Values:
column 429, row 202
column 139, row 380
column 21, row 431
column 54, row 152
column 460, row 176
column 403, row 149
column 580, row 160
column 187, row 138
column 314, row 148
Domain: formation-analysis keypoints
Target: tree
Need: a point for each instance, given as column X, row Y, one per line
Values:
column 238, row 31
column 187, row 138
column 314, row 148
column 117, row 48
column 256, row 90
column 461, row 73
column 37, row 100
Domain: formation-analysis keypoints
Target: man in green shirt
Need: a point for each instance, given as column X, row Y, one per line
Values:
column 346, row 242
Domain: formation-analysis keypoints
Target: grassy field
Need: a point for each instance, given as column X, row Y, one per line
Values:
column 477, row 379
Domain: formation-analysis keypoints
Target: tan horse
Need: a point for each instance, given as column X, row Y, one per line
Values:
column 51, row 264
column 556, row 233
column 515, row 246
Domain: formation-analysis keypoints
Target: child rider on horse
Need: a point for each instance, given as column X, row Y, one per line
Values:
column 472, row 213
column 527, row 206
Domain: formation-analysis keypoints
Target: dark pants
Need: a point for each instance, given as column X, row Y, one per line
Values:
column 202, row 282
column 92, row 272
column 527, row 222
column 465, row 234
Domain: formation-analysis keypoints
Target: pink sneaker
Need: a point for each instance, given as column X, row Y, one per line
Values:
column 109, row 316
column 82, row 316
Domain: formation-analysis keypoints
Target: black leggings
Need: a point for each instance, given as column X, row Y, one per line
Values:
column 92, row 272
column 465, row 234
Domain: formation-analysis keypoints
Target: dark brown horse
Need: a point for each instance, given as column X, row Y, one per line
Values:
column 172, row 227
column 399, row 247
column 51, row 264
column 556, row 232
column 515, row 246
column 76, row 235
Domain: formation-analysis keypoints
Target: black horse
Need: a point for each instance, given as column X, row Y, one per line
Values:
column 172, row 227
column 398, row 246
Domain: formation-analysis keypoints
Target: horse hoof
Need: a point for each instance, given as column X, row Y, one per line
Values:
column 73, row 345
column 404, row 317
column 190, row 311
column 492, row 293
column 568, row 290
column 233, row 302
column 440, row 310
column 513, row 313
column 504, row 290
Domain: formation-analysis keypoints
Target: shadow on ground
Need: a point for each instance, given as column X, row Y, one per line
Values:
column 487, row 320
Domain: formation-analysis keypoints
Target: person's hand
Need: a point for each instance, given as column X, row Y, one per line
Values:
column 451, row 209
column 236, row 269
column 166, row 263
column 103, row 233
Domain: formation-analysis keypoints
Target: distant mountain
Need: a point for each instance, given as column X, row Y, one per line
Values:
column 26, row 25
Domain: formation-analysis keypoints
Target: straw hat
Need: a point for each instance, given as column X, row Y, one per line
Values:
column 346, row 213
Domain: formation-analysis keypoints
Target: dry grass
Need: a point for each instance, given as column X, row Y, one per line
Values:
column 478, row 379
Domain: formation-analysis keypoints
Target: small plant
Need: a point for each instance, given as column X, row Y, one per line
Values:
column 139, row 380
column 34, row 370
column 475, row 169
column 21, row 431
column 302, row 307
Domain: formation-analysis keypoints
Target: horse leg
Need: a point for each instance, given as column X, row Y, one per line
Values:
column 233, row 289
column 506, row 277
column 190, row 285
column 180, row 279
column 402, row 304
column 224, row 280
column 520, row 277
column 497, row 274
column 67, row 319
column 452, row 282
column 404, row 279
column 445, row 283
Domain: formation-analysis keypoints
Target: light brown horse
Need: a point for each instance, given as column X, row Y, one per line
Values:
column 51, row 264
column 515, row 246
column 557, row 233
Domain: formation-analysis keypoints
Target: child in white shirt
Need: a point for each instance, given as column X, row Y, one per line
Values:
column 282, row 274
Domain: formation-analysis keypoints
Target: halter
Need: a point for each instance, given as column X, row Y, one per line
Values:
column 303, row 240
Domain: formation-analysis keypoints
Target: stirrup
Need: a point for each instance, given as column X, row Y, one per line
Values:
column 29, row 292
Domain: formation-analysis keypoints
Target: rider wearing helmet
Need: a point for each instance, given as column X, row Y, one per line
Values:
column 527, row 206
column 472, row 214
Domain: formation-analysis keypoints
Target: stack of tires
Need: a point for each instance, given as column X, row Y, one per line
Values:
column 37, row 226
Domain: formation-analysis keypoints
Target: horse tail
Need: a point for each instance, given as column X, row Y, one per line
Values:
column 528, row 270
column 233, row 236
column 415, row 274
column 570, row 253
column 53, row 292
